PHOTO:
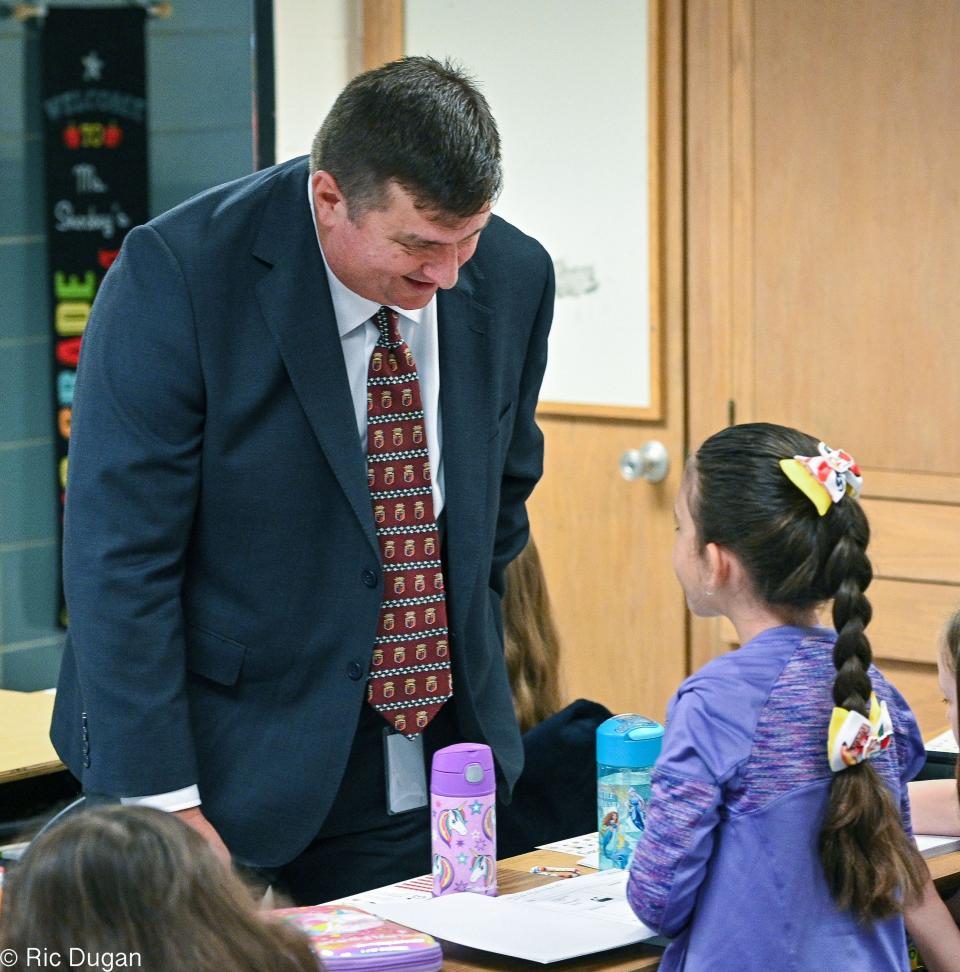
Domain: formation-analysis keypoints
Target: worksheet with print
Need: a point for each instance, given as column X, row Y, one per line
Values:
column 557, row 921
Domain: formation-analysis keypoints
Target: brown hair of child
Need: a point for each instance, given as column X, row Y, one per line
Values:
column 136, row 881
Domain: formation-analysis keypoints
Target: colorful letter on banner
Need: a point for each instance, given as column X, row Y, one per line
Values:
column 95, row 152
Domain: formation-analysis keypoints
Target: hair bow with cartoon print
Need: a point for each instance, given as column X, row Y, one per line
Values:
column 825, row 478
column 852, row 737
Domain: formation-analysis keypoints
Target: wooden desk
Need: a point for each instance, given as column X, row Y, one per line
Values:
column 25, row 747
column 514, row 874
column 945, row 871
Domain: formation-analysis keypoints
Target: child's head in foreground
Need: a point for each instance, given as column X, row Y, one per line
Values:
column 124, row 880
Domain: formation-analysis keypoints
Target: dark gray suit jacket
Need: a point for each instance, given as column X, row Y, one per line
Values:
column 220, row 562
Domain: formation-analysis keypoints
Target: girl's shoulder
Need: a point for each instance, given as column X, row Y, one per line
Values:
column 719, row 706
column 757, row 664
column 715, row 711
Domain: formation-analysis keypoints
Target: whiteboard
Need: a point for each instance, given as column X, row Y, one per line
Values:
column 568, row 83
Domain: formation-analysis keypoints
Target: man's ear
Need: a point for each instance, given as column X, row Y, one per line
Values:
column 328, row 201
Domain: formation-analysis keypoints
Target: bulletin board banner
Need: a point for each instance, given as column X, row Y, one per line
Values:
column 95, row 155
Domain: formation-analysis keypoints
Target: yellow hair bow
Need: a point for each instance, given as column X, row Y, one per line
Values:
column 854, row 738
column 825, row 478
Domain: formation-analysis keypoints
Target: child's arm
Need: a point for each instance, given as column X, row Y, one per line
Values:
column 934, row 807
column 933, row 930
column 671, row 857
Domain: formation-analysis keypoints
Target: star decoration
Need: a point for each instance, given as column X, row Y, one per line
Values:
column 476, row 808
column 92, row 66
column 462, row 858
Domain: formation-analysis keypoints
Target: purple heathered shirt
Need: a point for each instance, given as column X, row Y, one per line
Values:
column 728, row 866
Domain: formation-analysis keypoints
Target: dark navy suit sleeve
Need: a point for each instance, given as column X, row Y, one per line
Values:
column 524, row 459
column 133, row 479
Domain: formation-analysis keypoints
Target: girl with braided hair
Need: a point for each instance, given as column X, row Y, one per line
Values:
column 778, row 832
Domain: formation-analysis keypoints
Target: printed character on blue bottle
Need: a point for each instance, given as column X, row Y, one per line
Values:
column 638, row 809
column 612, row 844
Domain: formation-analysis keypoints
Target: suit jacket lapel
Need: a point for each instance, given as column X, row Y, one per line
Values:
column 467, row 409
column 295, row 301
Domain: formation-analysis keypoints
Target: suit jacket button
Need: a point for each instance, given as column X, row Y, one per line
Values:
column 369, row 577
column 355, row 671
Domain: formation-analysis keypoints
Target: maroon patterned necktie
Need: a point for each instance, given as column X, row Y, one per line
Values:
column 410, row 672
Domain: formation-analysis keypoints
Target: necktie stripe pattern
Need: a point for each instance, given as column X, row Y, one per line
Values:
column 410, row 676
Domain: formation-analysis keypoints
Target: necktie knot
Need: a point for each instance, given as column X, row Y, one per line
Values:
column 388, row 324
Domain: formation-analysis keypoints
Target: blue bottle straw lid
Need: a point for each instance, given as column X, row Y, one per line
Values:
column 629, row 740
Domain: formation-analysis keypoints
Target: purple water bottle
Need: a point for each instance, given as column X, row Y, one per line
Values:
column 463, row 820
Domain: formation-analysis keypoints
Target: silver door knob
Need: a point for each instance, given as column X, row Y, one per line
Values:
column 650, row 462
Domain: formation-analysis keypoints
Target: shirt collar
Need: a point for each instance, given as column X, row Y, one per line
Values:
column 350, row 309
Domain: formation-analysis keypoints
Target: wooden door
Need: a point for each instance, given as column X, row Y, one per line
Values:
column 824, row 252
column 606, row 542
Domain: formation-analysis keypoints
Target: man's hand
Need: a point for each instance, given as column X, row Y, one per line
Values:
column 193, row 817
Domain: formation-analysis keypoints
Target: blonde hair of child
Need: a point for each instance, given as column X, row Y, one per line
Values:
column 531, row 643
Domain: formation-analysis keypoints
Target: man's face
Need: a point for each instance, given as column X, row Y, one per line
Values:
column 398, row 255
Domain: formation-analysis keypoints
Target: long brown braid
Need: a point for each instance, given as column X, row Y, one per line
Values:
column 871, row 865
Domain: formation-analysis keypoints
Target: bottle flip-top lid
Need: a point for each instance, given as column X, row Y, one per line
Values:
column 629, row 740
column 462, row 769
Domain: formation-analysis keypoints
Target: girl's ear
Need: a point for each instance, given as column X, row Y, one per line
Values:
column 723, row 569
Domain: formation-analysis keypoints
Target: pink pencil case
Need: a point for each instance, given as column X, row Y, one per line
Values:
column 349, row 939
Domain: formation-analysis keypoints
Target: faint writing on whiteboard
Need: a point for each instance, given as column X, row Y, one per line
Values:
column 92, row 221
column 575, row 281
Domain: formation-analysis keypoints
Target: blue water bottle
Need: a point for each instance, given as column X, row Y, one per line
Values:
column 627, row 747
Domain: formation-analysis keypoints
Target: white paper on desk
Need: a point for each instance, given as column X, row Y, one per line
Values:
column 931, row 845
column 562, row 920
column 577, row 846
column 944, row 743
column 413, row 889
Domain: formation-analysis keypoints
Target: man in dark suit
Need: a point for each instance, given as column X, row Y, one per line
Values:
column 225, row 560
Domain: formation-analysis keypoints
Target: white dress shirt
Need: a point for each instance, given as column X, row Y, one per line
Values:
column 358, row 336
